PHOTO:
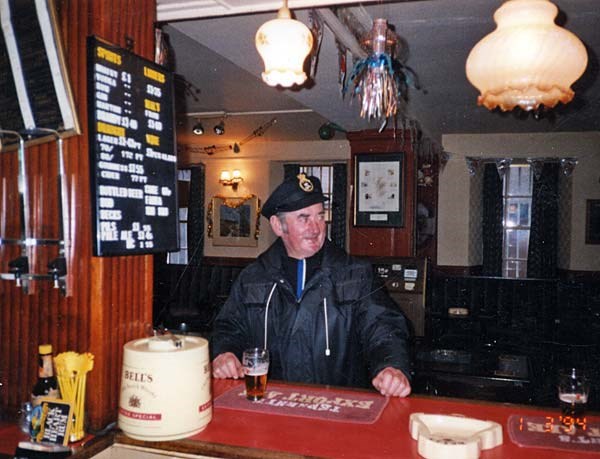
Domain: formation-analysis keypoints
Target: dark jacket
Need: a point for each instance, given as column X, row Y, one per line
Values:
column 338, row 314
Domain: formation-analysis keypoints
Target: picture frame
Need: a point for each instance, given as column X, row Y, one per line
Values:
column 379, row 190
column 592, row 221
column 234, row 221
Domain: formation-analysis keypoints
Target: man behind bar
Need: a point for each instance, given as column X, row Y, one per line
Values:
column 325, row 323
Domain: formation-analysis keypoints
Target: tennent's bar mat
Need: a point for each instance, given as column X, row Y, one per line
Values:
column 307, row 402
column 549, row 432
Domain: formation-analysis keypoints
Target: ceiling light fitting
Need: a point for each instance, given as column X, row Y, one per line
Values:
column 232, row 179
column 220, row 128
column 327, row 130
column 236, row 147
column 283, row 44
column 198, row 129
column 528, row 61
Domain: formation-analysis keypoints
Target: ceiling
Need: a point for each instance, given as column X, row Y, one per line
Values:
column 213, row 50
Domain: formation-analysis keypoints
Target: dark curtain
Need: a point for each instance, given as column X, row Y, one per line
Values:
column 195, row 226
column 338, row 205
column 543, row 237
column 492, row 221
column 290, row 171
column 178, row 288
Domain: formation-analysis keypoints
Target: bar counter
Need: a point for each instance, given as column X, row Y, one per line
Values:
column 243, row 434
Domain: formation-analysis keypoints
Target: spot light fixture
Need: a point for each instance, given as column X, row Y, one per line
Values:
column 219, row 128
column 232, row 179
column 198, row 129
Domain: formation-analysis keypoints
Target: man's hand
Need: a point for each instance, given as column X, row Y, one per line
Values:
column 392, row 382
column 227, row 365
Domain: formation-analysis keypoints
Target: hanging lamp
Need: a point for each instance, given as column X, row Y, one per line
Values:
column 528, row 61
column 283, row 44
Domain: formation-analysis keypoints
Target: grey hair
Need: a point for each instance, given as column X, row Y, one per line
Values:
column 282, row 221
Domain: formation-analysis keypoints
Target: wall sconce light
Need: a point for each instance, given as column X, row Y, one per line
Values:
column 232, row 179
column 220, row 128
column 198, row 129
column 283, row 43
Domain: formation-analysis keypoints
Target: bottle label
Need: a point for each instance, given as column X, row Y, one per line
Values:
column 45, row 369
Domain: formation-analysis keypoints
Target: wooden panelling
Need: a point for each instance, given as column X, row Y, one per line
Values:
column 111, row 300
column 386, row 242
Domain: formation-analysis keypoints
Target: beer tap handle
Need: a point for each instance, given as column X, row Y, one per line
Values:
column 18, row 267
column 57, row 268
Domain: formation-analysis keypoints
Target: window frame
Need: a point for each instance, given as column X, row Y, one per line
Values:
column 520, row 271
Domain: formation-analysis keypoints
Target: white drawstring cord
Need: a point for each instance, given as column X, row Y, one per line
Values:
column 267, row 310
column 327, row 350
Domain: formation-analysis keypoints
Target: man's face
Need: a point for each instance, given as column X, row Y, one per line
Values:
column 302, row 231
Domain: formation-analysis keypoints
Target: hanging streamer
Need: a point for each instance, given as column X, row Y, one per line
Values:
column 379, row 80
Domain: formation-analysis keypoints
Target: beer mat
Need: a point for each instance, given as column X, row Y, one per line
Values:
column 548, row 432
column 308, row 402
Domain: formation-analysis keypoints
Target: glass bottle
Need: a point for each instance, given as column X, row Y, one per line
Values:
column 46, row 384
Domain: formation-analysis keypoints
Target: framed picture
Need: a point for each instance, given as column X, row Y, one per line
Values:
column 592, row 222
column 379, row 190
column 234, row 221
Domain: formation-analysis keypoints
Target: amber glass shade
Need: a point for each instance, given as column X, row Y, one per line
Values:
column 528, row 60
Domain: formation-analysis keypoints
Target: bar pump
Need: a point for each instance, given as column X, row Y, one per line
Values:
column 19, row 267
column 57, row 267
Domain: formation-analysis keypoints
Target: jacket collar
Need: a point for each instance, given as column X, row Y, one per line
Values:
column 272, row 258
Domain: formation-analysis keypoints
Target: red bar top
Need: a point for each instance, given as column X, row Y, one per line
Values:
column 388, row 437
column 244, row 434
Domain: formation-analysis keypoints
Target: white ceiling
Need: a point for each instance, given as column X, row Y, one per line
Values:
column 216, row 55
column 173, row 10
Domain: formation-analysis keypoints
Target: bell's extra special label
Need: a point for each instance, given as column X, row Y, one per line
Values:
column 165, row 395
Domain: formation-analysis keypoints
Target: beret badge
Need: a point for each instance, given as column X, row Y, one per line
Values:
column 304, row 183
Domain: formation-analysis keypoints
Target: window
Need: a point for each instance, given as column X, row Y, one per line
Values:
column 183, row 184
column 516, row 222
column 325, row 174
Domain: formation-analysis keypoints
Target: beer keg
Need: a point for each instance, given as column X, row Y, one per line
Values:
column 165, row 388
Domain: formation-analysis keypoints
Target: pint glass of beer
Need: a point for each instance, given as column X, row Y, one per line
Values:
column 573, row 391
column 256, row 366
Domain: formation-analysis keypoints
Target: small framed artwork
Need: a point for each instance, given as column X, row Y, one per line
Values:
column 379, row 190
column 234, row 221
column 592, row 221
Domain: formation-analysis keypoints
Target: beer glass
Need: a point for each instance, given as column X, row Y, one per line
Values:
column 256, row 366
column 573, row 391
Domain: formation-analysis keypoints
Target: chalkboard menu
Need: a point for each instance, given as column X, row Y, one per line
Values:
column 34, row 87
column 132, row 148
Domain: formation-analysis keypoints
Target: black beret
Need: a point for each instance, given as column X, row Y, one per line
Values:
column 294, row 194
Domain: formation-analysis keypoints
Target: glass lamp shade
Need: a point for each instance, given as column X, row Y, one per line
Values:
column 225, row 176
column 283, row 44
column 528, row 60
